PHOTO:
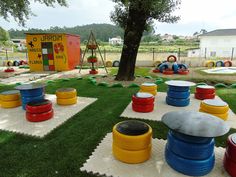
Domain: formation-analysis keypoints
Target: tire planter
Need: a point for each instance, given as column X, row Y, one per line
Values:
column 116, row 63
column 143, row 108
column 11, row 95
column 142, row 101
column 227, row 63
column 68, row 101
column 178, row 95
column 65, row 93
column 168, row 72
column 201, row 96
column 10, row 104
column 39, row 107
column 93, row 72
column 171, row 58
column 205, row 89
column 220, row 64
column 177, row 102
column 39, row 117
column 183, row 71
column 9, row 70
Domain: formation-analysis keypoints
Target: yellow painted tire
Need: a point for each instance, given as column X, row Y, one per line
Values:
column 210, row 64
column 65, row 93
column 148, row 88
column 156, row 63
column 222, row 116
column 10, row 97
column 151, row 92
column 131, row 157
column 108, row 63
column 68, row 101
column 134, row 143
column 214, row 109
column 10, row 104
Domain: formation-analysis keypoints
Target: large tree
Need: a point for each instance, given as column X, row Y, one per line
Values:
column 20, row 9
column 135, row 16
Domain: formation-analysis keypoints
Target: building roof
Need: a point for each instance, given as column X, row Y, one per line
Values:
column 221, row 32
column 38, row 33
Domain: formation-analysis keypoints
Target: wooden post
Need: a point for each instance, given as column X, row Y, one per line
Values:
column 232, row 54
column 179, row 55
column 205, row 53
column 153, row 54
column 104, row 54
column 6, row 55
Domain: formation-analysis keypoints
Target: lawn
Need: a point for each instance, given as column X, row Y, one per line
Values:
column 63, row 151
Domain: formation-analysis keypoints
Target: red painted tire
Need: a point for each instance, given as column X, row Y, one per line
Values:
column 231, row 147
column 142, row 101
column 8, row 70
column 39, row 117
column 183, row 71
column 170, row 57
column 227, row 63
column 203, row 89
column 168, row 72
column 93, row 72
column 143, row 108
column 92, row 60
column 201, row 96
column 229, row 165
column 156, row 70
column 39, row 107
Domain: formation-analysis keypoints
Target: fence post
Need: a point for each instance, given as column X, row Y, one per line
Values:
column 232, row 54
column 153, row 54
column 104, row 54
column 205, row 53
column 179, row 55
column 6, row 55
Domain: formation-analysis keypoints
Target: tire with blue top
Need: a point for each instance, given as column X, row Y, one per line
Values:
column 182, row 66
column 175, row 67
column 162, row 67
column 194, row 151
column 178, row 95
column 220, row 64
column 189, row 167
column 26, row 100
column 178, row 89
column 32, row 92
column 177, row 102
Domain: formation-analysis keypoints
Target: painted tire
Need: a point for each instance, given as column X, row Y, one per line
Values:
column 228, row 63
column 116, row 63
column 201, row 96
column 178, row 95
column 231, row 147
column 210, row 64
column 204, row 90
column 175, row 67
column 39, row 107
column 10, row 95
column 92, row 60
column 178, row 89
column 162, row 67
column 214, row 109
column 8, row 70
column 183, row 72
column 9, row 63
column 93, row 72
column 168, row 72
column 189, row 167
column 10, row 104
column 142, row 101
column 30, row 99
column 194, row 151
column 132, row 157
column 177, row 102
column 190, row 139
column 142, row 108
column 182, row 66
column 169, row 58
column 156, row 71
column 65, row 93
column 16, row 63
column 151, row 92
column 229, row 165
column 220, row 64
column 222, row 116
column 148, row 88
column 132, row 142
column 68, row 101
column 39, row 117
column 108, row 63
column 32, row 92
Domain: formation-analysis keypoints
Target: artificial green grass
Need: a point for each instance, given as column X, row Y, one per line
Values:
column 142, row 71
column 64, row 150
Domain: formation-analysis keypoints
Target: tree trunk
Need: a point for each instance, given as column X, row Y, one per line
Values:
column 132, row 37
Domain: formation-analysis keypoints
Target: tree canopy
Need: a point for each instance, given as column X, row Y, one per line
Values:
column 20, row 9
column 4, row 35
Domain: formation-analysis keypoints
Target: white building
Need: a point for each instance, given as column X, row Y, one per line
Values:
column 115, row 41
column 20, row 43
column 218, row 43
column 194, row 53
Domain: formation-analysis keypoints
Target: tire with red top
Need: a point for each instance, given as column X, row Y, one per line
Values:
column 231, row 147
column 156, row 71
column 168, row 72
column 143, row 98
column 39, row 117
column 39, row 106
column 205, row 89
column 229, row 165
column 143, row 108
column 171, row 58
column 183, row 71
column 227, row 63
column 93, row 72
column 8, row 70
column 202, row 96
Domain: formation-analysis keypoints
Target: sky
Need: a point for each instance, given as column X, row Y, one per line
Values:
column 195, row 15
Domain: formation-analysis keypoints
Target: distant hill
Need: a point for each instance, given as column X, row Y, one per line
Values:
column 102, row 32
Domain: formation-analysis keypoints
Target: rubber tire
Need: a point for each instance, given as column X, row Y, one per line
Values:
column 229, row 165
column 214, row 109
column 227, row 62
column 156, row 71
column 132, row 143
column 194, row 151
column 201, row 96
column 168, row 72
column 10, row 104
column 210, row 64
column 16, row 63
column 175, row 68
column 205, row 90
column 142, row 108
column 69, row 101
column 183, row 72
column 108, row 63
column 171, row 56
column 222, row 116
column 39, row 117
column 39, row 108
column 182, row 66
column 10, row 95
column 189, row 167
column 9, row 70
column 178, row 89
column 32, row 92
column 178, row 95
column 26, row 100
column 231, row 148
column 65, row 93
column 93, row 72
column 219, row 64
column 116, row 63
column 154, row 92
column 162, row 67
column 177, row 102
column 148, row 88
column 9, row 63
column 143, row 101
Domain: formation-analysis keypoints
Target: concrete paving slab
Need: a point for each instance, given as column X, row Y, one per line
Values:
column 102, row 163
column 14, row 119
column 160, row 108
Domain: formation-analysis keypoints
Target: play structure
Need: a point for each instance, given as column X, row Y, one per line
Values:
column 93, row 47
column 171, row 66
column 204, row 92
column 143, row 102
column 53, row 51
column 220, row 63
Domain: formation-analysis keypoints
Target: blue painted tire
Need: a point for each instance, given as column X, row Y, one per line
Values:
column 26, row 100
column 178, row 95
column 32, row 92
column 177, row 102
column 178, row 89
column 162, row 67
column 189, row 167
column 192, row 151
column 190, row 139
column 175, row 67
column 182, row 66
column 219, row 64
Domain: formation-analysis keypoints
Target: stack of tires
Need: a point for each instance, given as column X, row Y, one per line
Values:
column 205, row 92
column 193, row 156
column 215, row 107
column 149, row 88
column 178, row 96
column 66, row 96
column 230, row 155
column 38, row 111
column 132, row 141
column 143, row 102
column 10, row 99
